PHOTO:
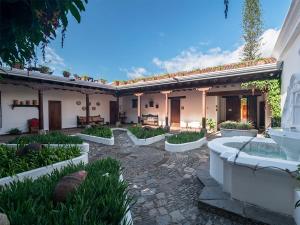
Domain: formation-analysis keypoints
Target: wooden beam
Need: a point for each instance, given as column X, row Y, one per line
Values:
column 234, row 93
column 176, row 97
column 41, row 110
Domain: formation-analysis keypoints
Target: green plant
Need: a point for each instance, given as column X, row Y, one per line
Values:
column 100, row 199
column 272, row 89
column 50, row 138
column 29, row 25
column 11, row 163
column 98, row 131
column 15, row 131
column 237, row 125
column 185, row 137
column 66, row 73
column 103, row 81
column 146, row 132
column 211, row 123
column 45, row 69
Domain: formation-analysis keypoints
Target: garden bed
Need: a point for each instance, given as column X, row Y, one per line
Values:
column 185, row 141
column 232, row 128
column 100, row 199
column 145, row 136
column 34, row 164
column 102, row 135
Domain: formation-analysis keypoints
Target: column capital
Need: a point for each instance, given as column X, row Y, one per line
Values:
column 166, row 92
column 138, row 94
column 203, row 89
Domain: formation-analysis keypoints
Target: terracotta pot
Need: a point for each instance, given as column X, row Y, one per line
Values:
column 16, row 102
column 34, row 102
column 21, row 102
column 27, row 102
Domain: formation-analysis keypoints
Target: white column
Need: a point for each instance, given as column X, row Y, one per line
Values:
column 139, row 105
column 166, row 93
column 203, row 90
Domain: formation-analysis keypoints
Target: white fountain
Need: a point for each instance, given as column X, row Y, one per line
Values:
column 288, row 137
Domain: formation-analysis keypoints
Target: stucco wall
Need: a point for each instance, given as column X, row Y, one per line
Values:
column 17, row 118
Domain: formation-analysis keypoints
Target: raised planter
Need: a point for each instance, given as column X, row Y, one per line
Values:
column 101, row 140
column 146, row 141
column 236, row 132
column 185, row 146
column 38, row 172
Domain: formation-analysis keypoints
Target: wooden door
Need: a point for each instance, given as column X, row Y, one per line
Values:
column 113, row 112
column 54, row 115
column 175, row 111
column 233, row 108
column 262, row 114
column 252, row 109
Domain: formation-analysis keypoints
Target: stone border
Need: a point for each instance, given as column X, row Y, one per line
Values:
column 38, row 172
column 146, row 141
column 101, row 140
column 236, row 132
column 185, row 146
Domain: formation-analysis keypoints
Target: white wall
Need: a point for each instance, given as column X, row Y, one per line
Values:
column 17, row 118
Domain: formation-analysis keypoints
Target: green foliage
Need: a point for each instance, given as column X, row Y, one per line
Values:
column 272, row 88
column 50, row 138
column 237, row 125
column 45, row 69
column 11, row 163
column 15, row 131
column 29, row 24
column 185, row 137
column 146, row 132
column 211, row 123
column 100, row 199
column 98, row 131
column 252, row 26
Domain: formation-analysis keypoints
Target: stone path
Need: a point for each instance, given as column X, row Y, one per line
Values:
column 164, row 185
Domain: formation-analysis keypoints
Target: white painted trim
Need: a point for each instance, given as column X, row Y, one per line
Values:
column 185, row 146
column 146, row 141
column 101, row 140
column 236, row 132
column 38, row 172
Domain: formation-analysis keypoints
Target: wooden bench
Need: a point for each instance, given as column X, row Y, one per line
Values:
column 93, row 120
column 150, row 119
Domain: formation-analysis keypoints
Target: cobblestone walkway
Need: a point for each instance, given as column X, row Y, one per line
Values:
column 163, row 184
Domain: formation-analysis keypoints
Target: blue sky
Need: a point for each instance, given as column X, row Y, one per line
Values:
column 120, row 39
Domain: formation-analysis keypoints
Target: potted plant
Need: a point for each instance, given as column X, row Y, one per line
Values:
column 76, row 76
column 18, row 65
column 66, row 74
column 34, row 102
column 16, row 102
column 103, row 81
column 27, row 102
column 45, row 69
column 85, row 77
column 234, row 128
column 117, row 82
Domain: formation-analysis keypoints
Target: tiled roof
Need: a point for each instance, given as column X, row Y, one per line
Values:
column 231, row 66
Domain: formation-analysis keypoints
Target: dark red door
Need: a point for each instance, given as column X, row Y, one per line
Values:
column 233, row 108
column 175, row 111
column 113, row 112
column 54, row 115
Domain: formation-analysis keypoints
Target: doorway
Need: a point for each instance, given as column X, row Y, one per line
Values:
column 113, row 112
column 54, row 108
column 175, row 112
column 233, row 108
column 262, row 114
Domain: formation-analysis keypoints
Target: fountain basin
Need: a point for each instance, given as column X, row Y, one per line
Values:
column 257, row 176
column 288, row 140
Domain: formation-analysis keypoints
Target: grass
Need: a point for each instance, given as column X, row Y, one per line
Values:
column 100, row 199
column 98, row 131
column 185, row 137
column 146, row 132
column 237, row 125
column 50, row 138
column 11, row 163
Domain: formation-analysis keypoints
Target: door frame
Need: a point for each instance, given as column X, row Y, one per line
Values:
column 116, row 113
column 54, row 101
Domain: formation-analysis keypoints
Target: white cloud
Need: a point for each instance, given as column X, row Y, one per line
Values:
column 53, row 60
column 193, row 58
column 135, row 72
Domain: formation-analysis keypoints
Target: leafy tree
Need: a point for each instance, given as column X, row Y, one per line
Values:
column 252, row 26
column 28, row 24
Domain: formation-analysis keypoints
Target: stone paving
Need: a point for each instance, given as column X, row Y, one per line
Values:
column 164, row 185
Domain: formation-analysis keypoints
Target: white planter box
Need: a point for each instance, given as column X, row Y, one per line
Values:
column 146, row 141
column 38, row 172
column 101, row 140
column 185, row 146
column 235, row 132
column 297, row 210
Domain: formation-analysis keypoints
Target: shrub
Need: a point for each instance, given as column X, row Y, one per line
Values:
column 185, row 137
column 11, row 163
column 211, row 124
column 50, row 138
column 15, row 131
column 100, row 199
column 237, row 125
column 104, row 132
column 146, row 132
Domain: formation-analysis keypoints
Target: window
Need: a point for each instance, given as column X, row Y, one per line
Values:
column 134, row 103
